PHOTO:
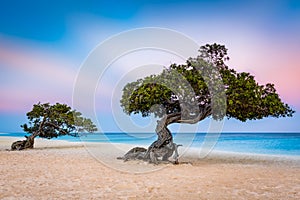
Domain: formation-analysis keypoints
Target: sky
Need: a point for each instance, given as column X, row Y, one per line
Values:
column 43, row 45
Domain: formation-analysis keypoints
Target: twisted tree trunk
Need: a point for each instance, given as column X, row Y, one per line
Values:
column 164, row 147
column 24, row 144
column 29, row 142
column 161, row 149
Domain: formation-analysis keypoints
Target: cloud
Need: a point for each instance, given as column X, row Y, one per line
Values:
column 270, row 60
column 30, row 73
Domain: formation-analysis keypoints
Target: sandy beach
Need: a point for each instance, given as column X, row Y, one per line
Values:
column 65, row 170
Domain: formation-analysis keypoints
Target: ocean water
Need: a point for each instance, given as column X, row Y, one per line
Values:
column 250, row 143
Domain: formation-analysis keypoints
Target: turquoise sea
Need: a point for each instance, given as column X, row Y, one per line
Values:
column 250, row 143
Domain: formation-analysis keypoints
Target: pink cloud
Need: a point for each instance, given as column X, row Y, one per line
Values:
column 271, row 61
column 36, row 62
column 31, row 74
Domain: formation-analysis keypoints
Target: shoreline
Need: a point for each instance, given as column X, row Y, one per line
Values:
column 242, row 143
column 191, row 153
column 64, row 170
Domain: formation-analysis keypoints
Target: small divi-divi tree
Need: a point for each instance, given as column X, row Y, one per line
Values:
column 49, row 121
column 203, row 87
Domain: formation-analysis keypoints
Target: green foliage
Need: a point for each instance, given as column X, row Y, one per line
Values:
column 48, row 121
column 204, row 82
column 214, row 53
column 246, row 99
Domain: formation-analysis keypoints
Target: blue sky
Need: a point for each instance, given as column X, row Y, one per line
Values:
column 43, row 44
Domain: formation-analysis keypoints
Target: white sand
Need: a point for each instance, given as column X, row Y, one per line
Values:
column 65, row 170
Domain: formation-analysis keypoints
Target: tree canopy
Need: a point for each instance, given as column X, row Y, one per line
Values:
column 48, row 121
column 191, row 92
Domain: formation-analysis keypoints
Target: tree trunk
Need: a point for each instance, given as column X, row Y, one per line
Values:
column 160, row 150
column 24, row 144
column 164, row 147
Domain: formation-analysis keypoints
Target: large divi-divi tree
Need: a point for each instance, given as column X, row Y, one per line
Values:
column 188, row 93
column 49, row 121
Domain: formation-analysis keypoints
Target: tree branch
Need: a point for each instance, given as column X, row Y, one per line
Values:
column 173, row 118
column 37, row 133
column 57, row 127
column 202, row 115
